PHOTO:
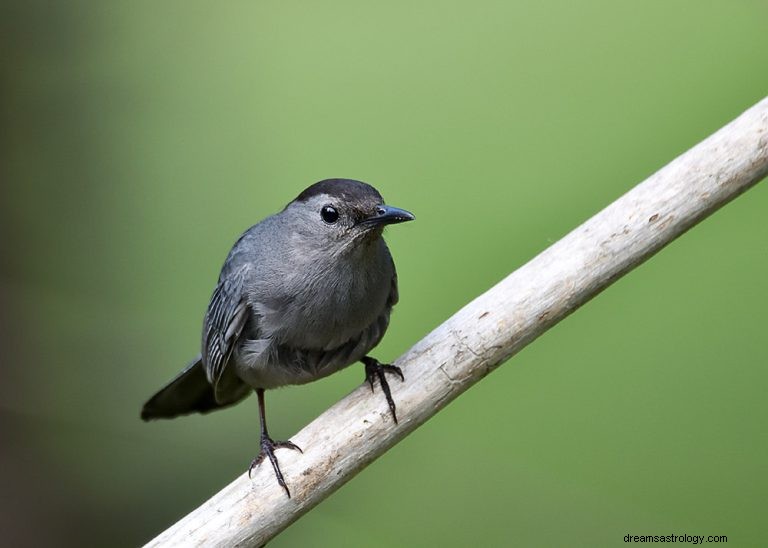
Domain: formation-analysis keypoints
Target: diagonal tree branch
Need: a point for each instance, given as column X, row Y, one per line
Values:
column 485, row 333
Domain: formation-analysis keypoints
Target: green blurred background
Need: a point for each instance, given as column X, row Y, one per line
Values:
column 139, row 139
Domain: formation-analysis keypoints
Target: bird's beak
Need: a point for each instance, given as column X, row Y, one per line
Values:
column 389, row 215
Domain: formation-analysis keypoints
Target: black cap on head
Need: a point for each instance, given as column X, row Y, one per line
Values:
column 347, row 190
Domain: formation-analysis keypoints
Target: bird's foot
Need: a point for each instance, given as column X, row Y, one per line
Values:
column 376, row 370
column 268, row 446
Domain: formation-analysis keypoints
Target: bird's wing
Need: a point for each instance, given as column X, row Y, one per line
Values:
column 394, row 295
column 224, row 322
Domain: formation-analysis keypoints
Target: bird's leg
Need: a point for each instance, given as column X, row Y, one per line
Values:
column 376, row 370
column 268, row 446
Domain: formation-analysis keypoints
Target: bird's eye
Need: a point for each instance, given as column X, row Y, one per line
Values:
column 329, row 214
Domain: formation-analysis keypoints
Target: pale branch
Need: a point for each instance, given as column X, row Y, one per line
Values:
column 483, row 334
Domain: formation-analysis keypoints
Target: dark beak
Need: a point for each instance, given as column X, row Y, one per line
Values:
column 388, row 215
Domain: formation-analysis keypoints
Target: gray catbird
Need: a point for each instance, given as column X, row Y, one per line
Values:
column 301, row 295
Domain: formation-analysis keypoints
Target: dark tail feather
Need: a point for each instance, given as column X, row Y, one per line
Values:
column 189, row 392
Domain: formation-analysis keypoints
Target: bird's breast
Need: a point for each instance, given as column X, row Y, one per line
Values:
column 322, row 305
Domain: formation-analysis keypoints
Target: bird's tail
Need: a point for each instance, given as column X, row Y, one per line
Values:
column 189, row 392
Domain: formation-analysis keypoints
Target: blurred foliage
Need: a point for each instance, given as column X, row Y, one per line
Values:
column 140, row 138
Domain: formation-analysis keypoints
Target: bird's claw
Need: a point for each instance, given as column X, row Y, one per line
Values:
column 268, row 446
column 376, row 370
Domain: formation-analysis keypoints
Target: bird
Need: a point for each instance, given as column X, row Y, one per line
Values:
column 302, row 294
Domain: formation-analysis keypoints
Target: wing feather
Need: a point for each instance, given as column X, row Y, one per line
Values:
column 224, row 322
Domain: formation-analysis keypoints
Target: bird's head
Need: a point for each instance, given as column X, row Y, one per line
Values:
column 341, row 214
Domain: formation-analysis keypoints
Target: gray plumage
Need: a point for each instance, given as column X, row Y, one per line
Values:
column 301, row 295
